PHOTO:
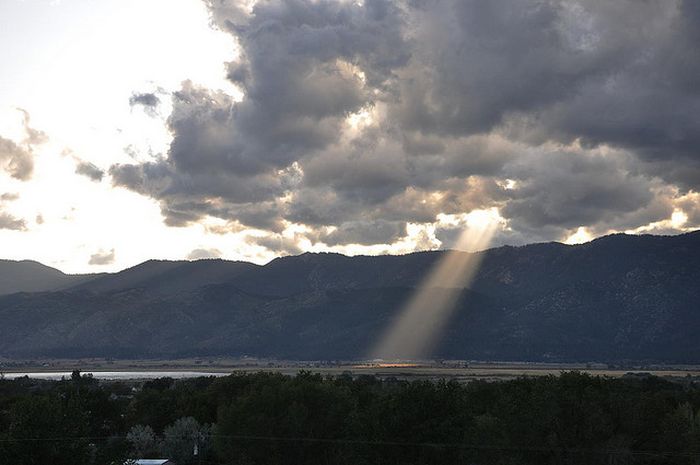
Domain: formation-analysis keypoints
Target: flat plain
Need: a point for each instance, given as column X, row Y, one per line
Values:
column 450, row 370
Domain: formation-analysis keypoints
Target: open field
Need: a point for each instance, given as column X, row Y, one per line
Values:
column 457, row 370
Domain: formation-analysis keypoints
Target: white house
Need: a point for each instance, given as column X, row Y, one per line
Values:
column 151, row 462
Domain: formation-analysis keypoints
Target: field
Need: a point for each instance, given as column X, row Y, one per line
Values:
column 456, row 370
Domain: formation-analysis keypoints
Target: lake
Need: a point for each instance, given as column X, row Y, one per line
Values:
column 115, row 375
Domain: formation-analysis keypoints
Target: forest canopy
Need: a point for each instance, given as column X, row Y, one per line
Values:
column 269, row 418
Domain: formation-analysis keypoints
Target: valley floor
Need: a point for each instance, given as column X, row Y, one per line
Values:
column 456, row 370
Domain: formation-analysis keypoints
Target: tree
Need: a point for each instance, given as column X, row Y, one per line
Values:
column 142, row 441
column 184, row 438
column 43, row 430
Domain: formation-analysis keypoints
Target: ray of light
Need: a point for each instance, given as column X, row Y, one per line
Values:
column 419, row 325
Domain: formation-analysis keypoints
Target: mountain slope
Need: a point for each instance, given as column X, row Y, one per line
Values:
column 162, row 276
column 31, row 276
column 616, row 298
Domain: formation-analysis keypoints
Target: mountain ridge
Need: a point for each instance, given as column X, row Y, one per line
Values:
column 619, row 297
column 33, row 276
column 334, row 254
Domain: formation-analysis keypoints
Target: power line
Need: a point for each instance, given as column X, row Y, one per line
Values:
column 438, row 445
column 434, row 445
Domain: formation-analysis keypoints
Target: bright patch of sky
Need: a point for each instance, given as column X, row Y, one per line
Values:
column 73, row 65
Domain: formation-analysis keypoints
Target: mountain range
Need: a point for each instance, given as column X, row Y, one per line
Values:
column 617, row 298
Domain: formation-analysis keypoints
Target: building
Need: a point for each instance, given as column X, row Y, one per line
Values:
column 151, row 462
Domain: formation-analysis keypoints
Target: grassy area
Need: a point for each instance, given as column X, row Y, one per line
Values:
column 458, row 370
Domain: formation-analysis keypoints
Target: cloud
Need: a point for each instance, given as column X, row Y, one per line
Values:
column 277, row 243
column 102, row 257
column 200, row 254
column 559, row 190
column 33, row 136
column 365, row 233
column 8, row 221
column 89, row 170
column 9, row 197
column 301, row 76
column 148, row 100
column 358, row 119
column 18, row 159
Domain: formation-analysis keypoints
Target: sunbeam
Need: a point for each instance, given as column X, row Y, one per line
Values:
column 420, row 324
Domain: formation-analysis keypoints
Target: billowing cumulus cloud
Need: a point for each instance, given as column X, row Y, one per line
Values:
column 558, row 190
column 371, row 122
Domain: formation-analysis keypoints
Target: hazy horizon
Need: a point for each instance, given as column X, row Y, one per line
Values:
column 485, row 249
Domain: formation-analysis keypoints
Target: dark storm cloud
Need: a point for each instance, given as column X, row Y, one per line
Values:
column 366, row 233
column 476, row 61
column 368, row 176
column 299, row 61
column 623, row 73
column 480, row 62
column 298, row 74
column 569, row 189
column 102, row 258
column 647, row 99
column 588, row 108
column 89, row 170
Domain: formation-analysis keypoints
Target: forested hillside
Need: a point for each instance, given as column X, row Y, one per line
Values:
column 616, row 298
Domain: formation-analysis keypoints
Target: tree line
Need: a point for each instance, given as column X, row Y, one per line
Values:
column 267, row 418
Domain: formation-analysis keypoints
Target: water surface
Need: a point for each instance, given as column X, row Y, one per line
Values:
column 114, row 375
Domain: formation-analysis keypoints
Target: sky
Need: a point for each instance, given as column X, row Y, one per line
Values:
column 246, row 130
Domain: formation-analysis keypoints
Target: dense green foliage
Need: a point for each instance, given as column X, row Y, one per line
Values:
column 269, row 418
